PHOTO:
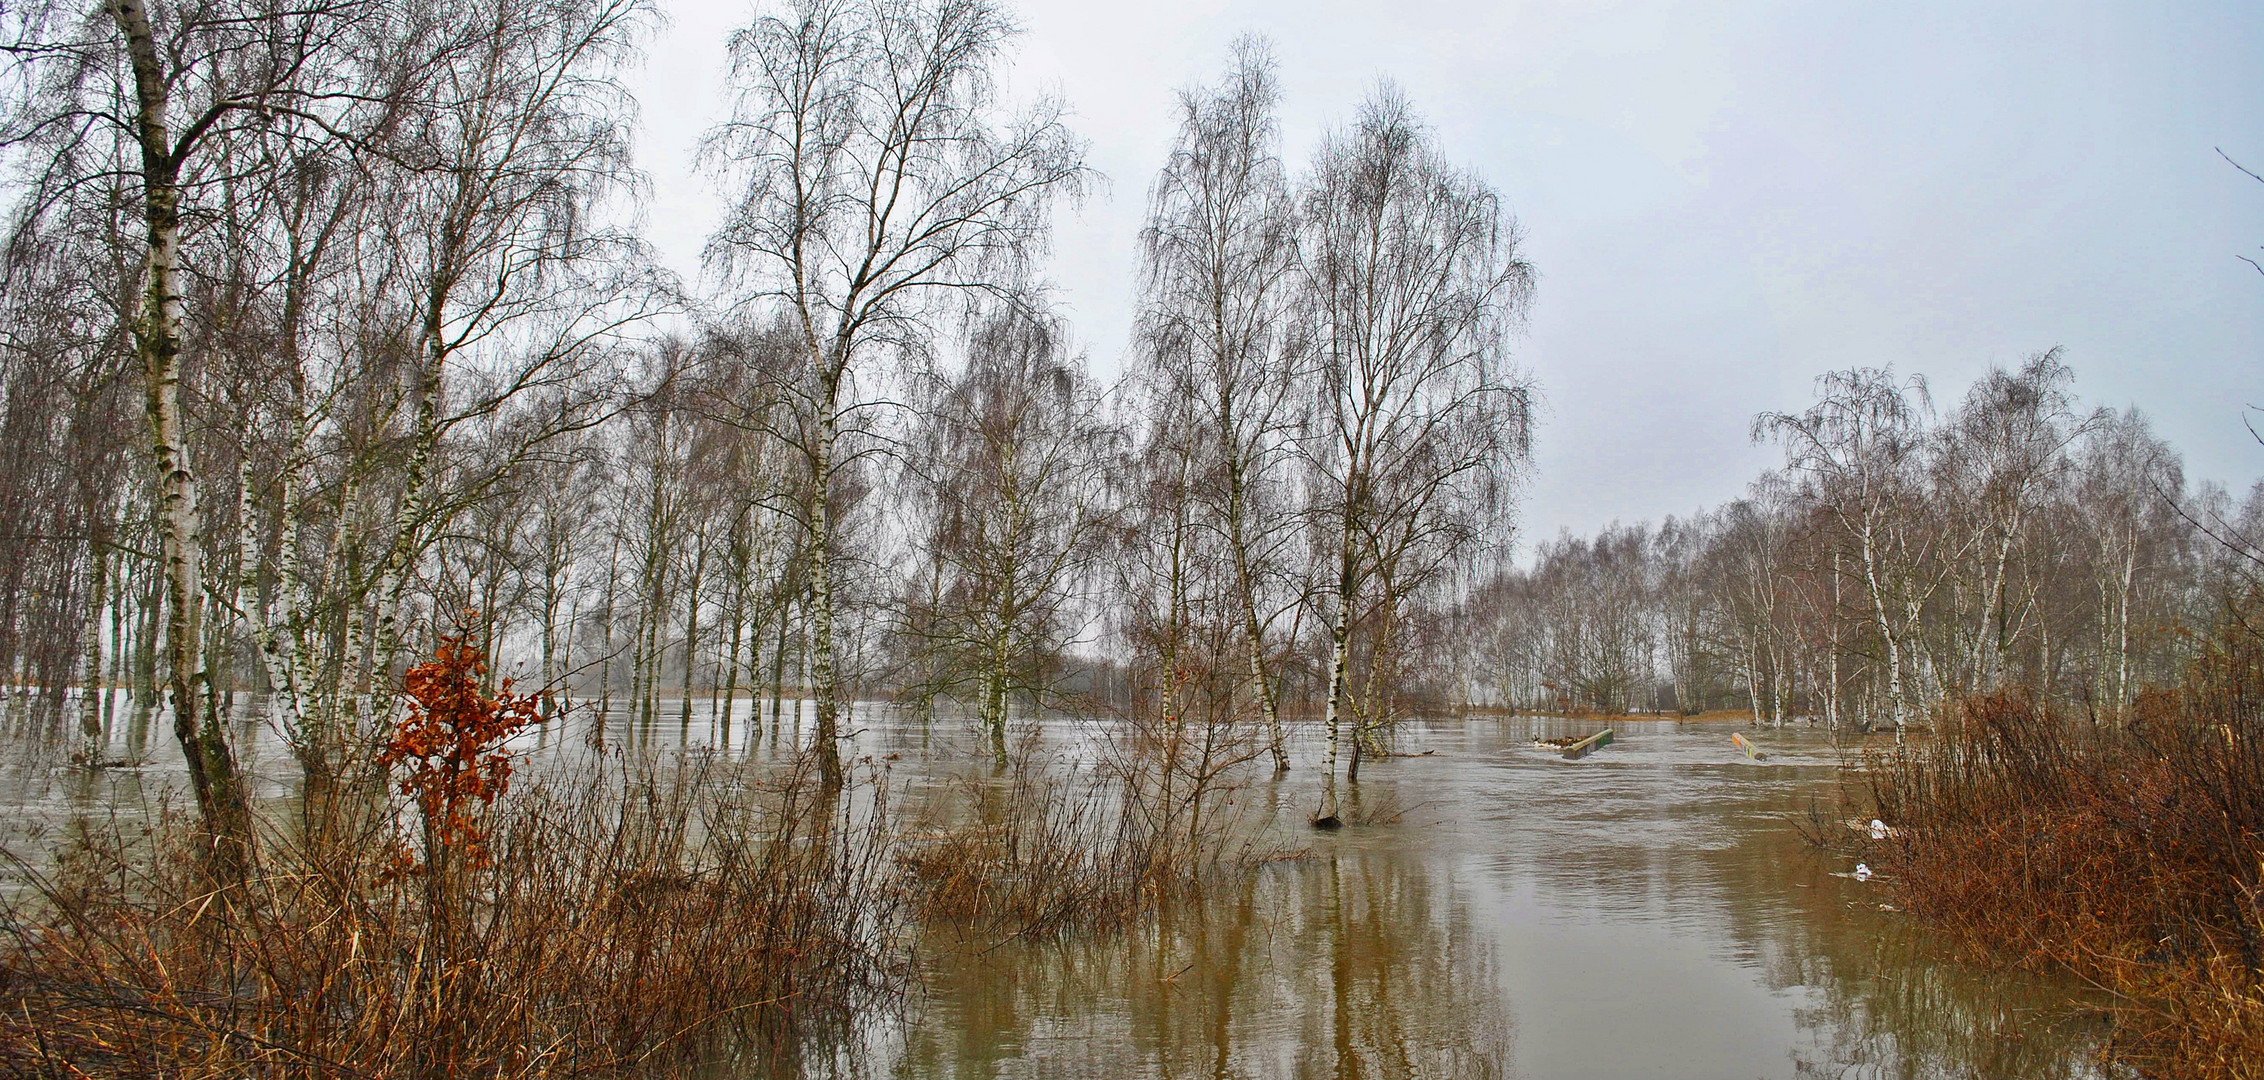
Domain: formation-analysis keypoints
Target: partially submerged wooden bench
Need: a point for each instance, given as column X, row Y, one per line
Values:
column 1585, row 746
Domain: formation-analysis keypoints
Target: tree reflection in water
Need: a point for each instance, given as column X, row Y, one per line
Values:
column 1873, row 999
column 1341, row 965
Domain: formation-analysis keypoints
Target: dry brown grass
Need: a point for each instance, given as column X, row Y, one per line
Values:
column 1048, row 848
column 2134, row 860
column 1034, row 855
column 627, row 920
column 1710, row 716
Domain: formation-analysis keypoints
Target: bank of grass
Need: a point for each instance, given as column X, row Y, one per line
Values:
column 1710, row 716
column 623, row 920
column 2131, row 858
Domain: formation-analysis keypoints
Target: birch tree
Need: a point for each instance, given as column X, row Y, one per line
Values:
column 1012, row 464
column 2004, row 456
column 1219, row 258
column 877, row 175
column 1860, row 451
column 1413, row 279
column 156, row 92
column 519, row 280
column 2128, row 484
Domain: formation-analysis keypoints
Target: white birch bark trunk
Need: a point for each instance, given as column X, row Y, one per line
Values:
column 822, row 671
column 157, row 338
column 93, row 693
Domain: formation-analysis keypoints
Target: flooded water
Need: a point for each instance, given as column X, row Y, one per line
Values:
column 1646, row 911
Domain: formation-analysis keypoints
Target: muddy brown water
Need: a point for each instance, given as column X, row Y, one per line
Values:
column 1647, row 911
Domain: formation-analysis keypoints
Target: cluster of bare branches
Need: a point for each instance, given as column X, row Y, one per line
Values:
column 367, row 274
column 1898, row 561
column 1331, row 434
column 357, row 268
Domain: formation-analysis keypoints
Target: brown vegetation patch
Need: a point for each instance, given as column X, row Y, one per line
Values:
column 2133, row 859
column 1710, row 716
column 1033, row 856
column 623, row 920
column 1045, row 847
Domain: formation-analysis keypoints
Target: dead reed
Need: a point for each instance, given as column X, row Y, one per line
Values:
column 1046, row 847
column 2132, row 858
column 1031, row 855
column 625, row 919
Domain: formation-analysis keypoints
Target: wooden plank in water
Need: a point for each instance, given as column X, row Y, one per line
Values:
column 1582, row 748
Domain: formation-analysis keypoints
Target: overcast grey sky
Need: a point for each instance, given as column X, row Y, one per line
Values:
column 1723, row 200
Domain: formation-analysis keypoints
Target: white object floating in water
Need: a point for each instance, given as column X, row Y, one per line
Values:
column 1878, row 829
column 1862, row 872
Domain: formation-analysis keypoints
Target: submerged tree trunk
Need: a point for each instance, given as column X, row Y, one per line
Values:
column 1340, row 638
column 778, row 673
column 822, row 672
column 211, row 762
column 120, row 627
column 1253, row 633
column 692, row 636
column 98, row 597
column 606, row 648
column 994, row 688
column 551, row 590
column 727, row 702
column 144, row 674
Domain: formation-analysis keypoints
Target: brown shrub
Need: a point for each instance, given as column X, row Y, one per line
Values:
column 1032, row 855
column 2134, row 859
column 626, row 919
column 1045, row 847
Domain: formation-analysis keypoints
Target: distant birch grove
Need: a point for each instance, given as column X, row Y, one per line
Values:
column 1904, row 556
column 328, row 331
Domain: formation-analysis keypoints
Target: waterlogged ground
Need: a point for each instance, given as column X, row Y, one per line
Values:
column 1648, row 911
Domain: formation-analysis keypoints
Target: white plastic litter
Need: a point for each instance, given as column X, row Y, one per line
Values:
column 1862, row 872
column 1878, row 829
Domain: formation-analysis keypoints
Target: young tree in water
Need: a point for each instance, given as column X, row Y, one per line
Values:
column 1219, row 260
column 878, row 174
column 1012, row 462
column 1413, row 279
column 1168, row 588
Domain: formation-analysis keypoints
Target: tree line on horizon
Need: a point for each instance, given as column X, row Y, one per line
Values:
column 1899, row 560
